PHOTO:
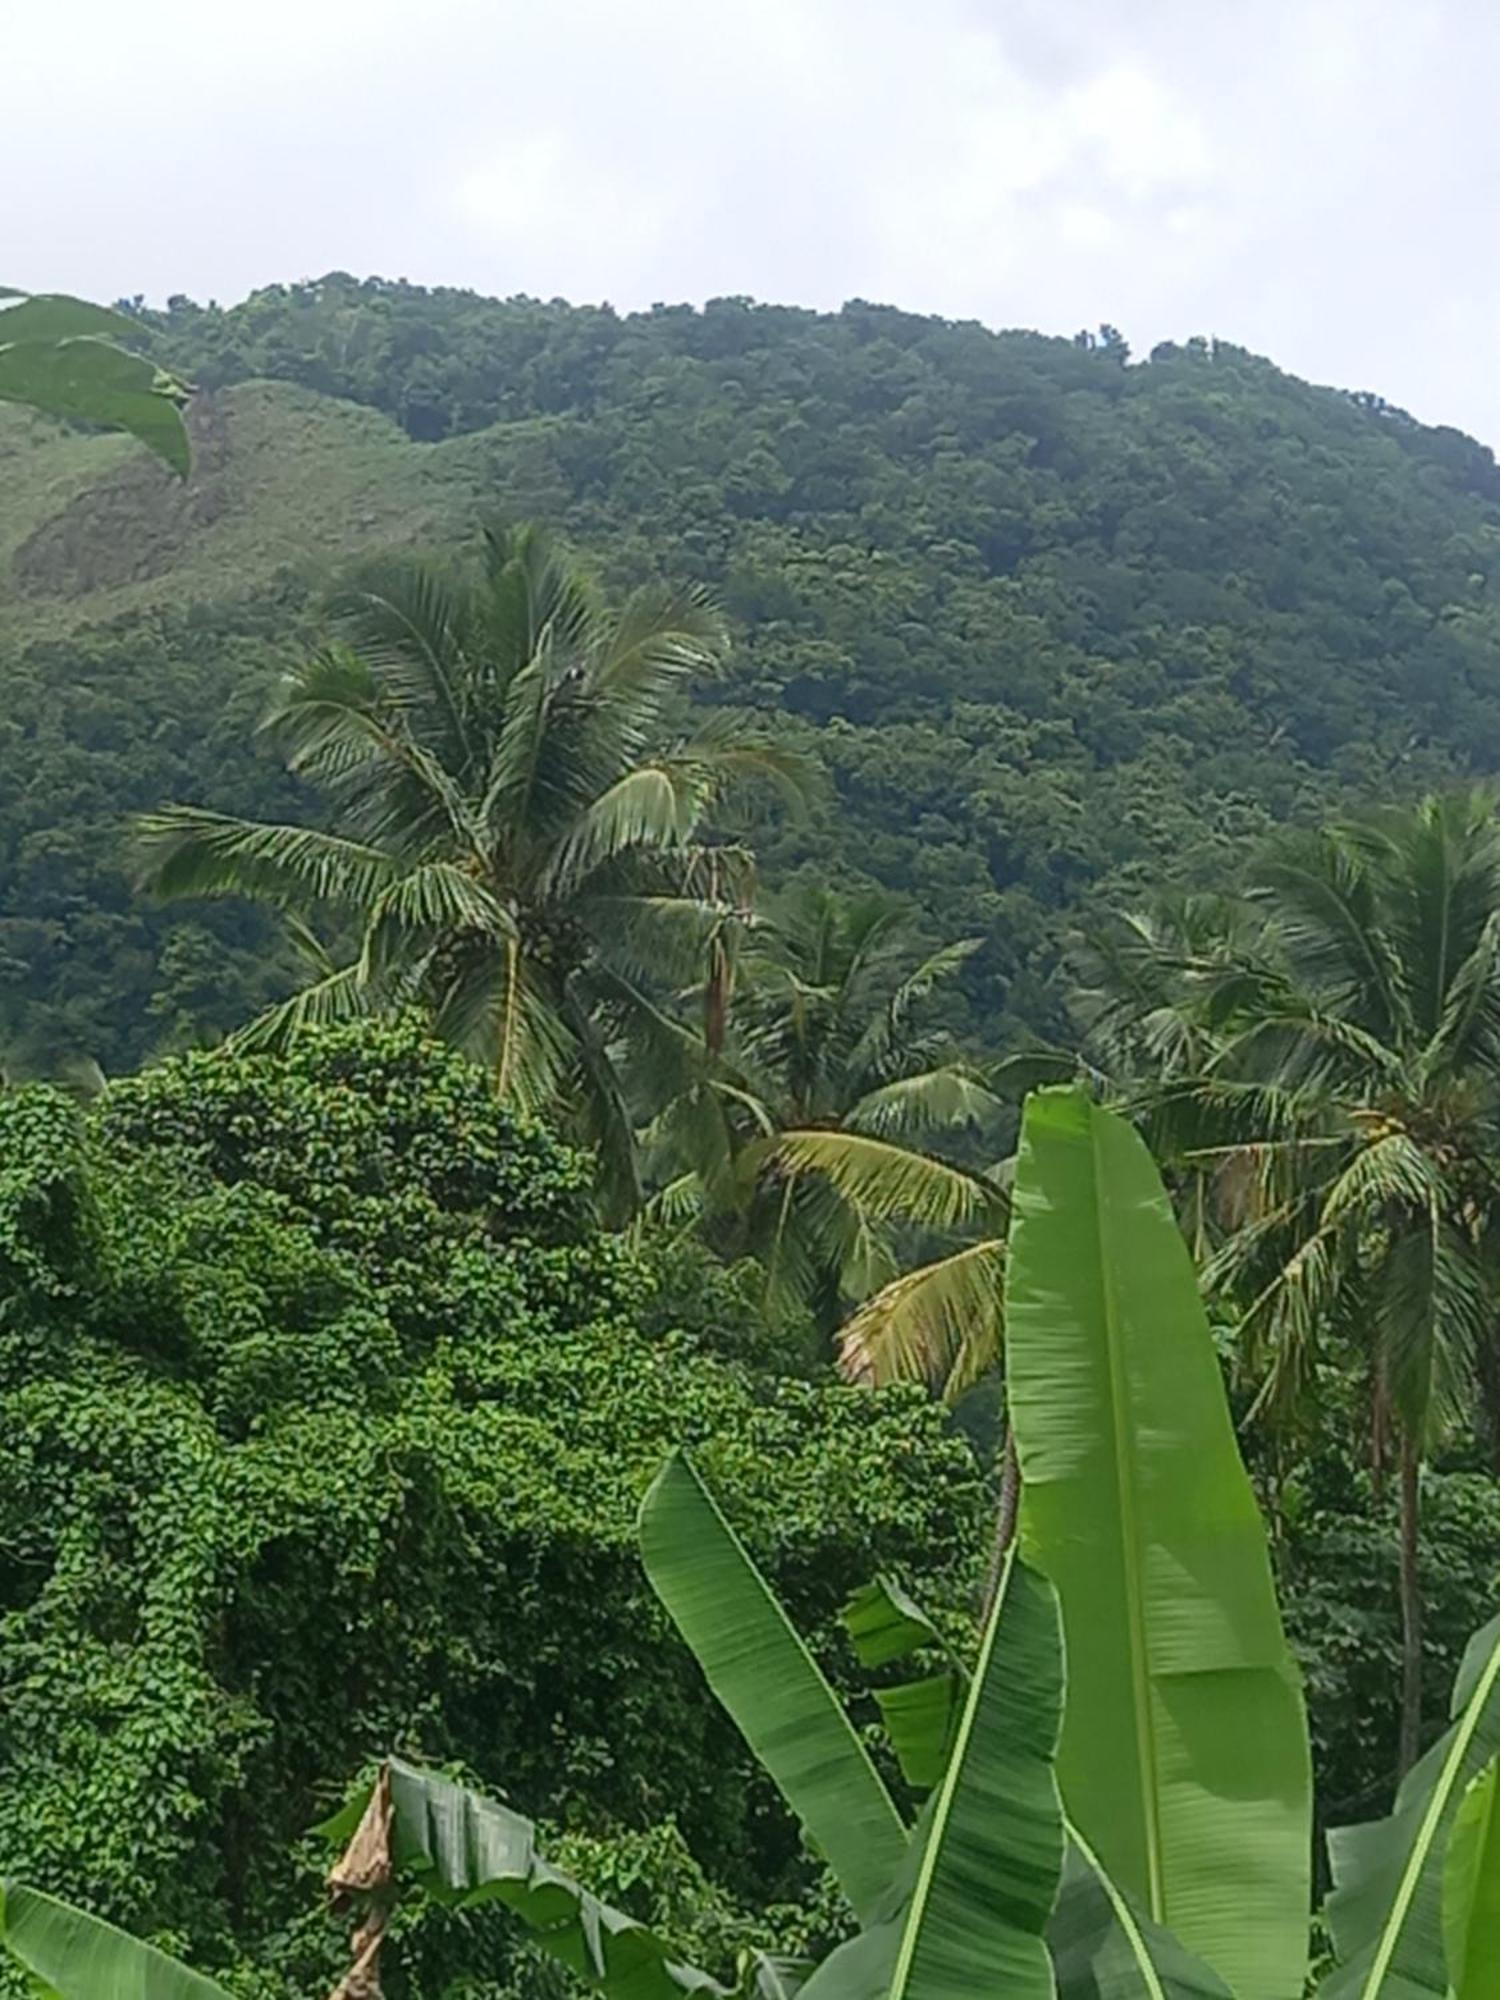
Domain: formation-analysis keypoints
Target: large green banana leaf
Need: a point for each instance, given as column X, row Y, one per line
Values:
column 1103, row 1948
column 1184, row 1759
column 467, row 1849
column 1386, row 1910
column 70, row 1955
column 981, row 1874
column 1471, row 1891
column 768, row 1681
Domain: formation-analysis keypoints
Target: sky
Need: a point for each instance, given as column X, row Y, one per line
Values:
column 1316, row 180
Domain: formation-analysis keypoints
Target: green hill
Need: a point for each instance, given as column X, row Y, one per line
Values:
column 1063, row 626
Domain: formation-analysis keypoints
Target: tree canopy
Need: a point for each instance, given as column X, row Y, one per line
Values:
column 327, row 1412
column 1062, row 627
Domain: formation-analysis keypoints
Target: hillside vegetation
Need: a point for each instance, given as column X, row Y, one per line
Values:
column 1061, row 625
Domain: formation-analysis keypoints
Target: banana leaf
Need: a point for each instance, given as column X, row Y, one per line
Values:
column 59, row 355
column 466, row 1850
column 1103, row 1948
column 1471, row 1891
column 885, row 1624
column 70, row 1955
column 1385, row 1914
column 768, row 1681
column 981, row 1874
column 920, row 1718
column 1184, row 1759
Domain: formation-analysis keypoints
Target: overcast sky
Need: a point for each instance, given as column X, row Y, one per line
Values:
column 1314, row 179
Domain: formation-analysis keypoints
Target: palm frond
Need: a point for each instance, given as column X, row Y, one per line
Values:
column 406, row 620
column 603, row 1116
column 655, row 940
column 1322, row 904
column 335, row 728
column 887, row 1182
column 936, row 1100
column 1434, row 1312
column 1391, row 1171
column 534, row 595
column 1468, row 1028
column 940, row 1324
column 425, row 903
column 663, row 641
column 186, row 851
column 794, row 1255
column 677, row 1209
column 489, row 1002
column 656, row 805
column 343, row 995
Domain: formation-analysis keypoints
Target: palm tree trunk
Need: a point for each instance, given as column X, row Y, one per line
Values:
column 1411, row 1602
column 1005, row 1523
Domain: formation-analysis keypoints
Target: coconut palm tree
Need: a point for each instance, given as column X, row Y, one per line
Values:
column 527, row 823
column 805, row 1144
column 1324, row 1059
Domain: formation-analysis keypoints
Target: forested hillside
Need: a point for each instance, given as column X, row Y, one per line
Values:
column 1061, row 624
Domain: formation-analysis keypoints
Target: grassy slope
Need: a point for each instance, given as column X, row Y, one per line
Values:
column 91, row 528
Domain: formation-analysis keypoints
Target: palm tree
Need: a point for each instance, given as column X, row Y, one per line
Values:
column 796, row 1142
column 527, row 824
column 1341, row 1090
column 1149, row 993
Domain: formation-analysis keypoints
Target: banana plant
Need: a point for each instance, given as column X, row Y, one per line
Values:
column 1134, row 1828
column 1414, row 1895
column 69, row 1955
column 1098, row 1941
column 1184, row 1759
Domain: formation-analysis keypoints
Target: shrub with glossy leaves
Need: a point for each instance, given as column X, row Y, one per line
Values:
column 326, row 1410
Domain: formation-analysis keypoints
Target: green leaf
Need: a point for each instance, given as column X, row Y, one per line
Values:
column 1184, row 1759
column 886, row 1181
column 984, row 1868
column 92, row 381
column 768, row 1681
column 468, row 1850
column 73, row 1956
column 55, row 316
column 919, row 1719
column 1104, row 1948
column 1471, row 1891
column 1386, row 1912
column 885, row 1624
column 941, row 1323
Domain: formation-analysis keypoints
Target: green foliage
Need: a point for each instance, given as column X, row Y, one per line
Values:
column 528, row 826
column 1471, row 1891
column 73, row 1956
column 1387, row 1911
column 1184, row 1756
column 327, row 1413
column 1105, row 1949
column 764, row 1676
column 993, row 1852
column 1338, row 1565
column 467, row 1850
column 59, row 355
column 1063, row 629
column 1321, row 1059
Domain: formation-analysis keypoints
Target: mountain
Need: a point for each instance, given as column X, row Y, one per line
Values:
column 1065, row 627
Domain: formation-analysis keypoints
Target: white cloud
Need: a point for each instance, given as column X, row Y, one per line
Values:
column 1309, row 177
